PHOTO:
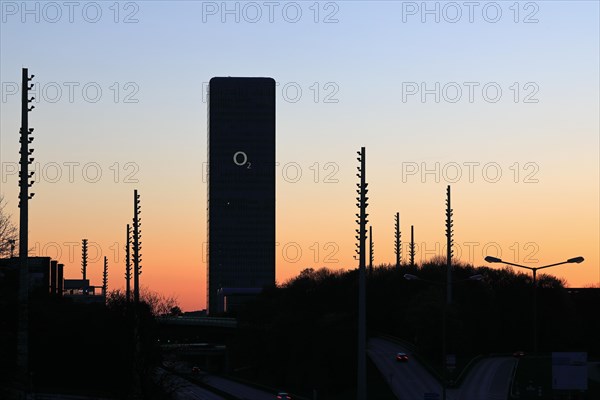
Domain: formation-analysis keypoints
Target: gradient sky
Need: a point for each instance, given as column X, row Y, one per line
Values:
column 528, row 188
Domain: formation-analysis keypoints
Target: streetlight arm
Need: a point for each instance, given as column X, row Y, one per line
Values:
column 519, row 265
column 552, row 265
column 497, row 260
column 569, row 261
column 577, row 260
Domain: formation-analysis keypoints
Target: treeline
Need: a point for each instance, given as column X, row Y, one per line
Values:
column 303, row 333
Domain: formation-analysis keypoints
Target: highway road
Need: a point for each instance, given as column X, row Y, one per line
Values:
column 488, row 380
column 408, row 380
column 236, row 389
column 239, row 390
column 182, row 389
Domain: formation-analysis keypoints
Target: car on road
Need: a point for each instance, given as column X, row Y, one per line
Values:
column 283, row 396
column 518, row 354
column 402, row 357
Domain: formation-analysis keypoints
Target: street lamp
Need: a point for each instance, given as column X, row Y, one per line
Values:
column 576, row 260
column 411, row 277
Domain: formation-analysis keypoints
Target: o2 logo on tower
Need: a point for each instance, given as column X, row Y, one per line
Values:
column 241, row 159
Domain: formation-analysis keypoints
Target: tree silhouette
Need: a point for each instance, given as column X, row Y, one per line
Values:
column 158, row 304
column 9, row 235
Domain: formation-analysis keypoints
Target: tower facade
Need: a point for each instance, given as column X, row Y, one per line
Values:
column 241, row 187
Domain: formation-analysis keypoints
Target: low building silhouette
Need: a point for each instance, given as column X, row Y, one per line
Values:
column 46, row 278
column 232, row 299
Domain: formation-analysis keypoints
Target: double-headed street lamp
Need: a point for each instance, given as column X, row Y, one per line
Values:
column 445, row 305
column 577, row 260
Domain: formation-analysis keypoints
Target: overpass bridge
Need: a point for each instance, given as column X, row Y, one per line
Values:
column 188, row 330
column 215, row 322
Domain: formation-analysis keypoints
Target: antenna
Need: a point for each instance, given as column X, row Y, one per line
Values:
column 411, row 248
column 137, row 247
column 24, row 197
column 449, row 250
column 105, row 277
column 84, row 263
column 361, row 251
column 128, row 265
column 84, row 258
column 398, row 243
column 371, row 258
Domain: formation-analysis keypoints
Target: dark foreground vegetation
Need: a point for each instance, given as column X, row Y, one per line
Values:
column 79, row 349
column 302, row 335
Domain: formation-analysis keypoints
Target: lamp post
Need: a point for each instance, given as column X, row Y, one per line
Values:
column 411, row 277
column 577, row 260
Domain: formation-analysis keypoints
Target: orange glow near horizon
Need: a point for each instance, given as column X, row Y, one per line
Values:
column 174, row 262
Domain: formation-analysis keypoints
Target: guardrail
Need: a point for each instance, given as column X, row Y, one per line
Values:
column 511, row 392
column 466, row 369
column 161, row 375
column 262, row 387
column 199, row 321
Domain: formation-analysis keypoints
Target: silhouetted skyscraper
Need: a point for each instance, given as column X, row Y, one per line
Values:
column 241, row 185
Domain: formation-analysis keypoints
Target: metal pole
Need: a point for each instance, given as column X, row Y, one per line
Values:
column 444, row 350
column 449, row 253
column 24, row 196
column 449, row 242
column 84, row 260
column 136, row 248
column 535, row 340
column 361, row 391
column 105, row 278
column 136, row 382
column 371, row 250
column 398, row 245
column 128, row 266
column 412, row 246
